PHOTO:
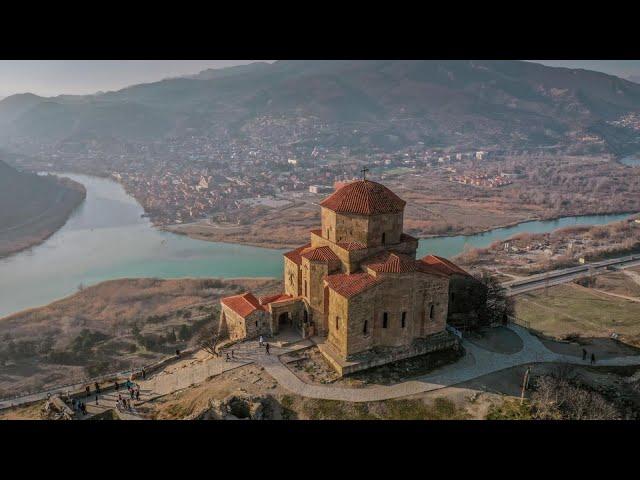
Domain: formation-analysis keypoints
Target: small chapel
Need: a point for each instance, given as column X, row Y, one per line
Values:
column 357, row 287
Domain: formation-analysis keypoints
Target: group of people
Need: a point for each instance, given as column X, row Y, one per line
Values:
column 78, row 406
column 584, row 356
column 134, row 394
column 230, row 357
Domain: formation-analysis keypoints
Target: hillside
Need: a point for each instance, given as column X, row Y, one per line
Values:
column 109, row 326
column 400, row 102
column 32, row 207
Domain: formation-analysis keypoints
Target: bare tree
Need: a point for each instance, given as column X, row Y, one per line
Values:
column 499, row 306
column 209, row 340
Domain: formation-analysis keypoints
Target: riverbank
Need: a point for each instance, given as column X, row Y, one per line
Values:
column 241, row 235
column 528, row 253
column 36, row 226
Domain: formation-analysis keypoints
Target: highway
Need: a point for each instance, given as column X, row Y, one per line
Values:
column 556, row 277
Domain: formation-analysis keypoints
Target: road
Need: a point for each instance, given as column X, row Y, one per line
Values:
column 565, row 275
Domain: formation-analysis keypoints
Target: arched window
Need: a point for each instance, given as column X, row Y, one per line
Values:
column 366, row 327
column 431, row 310
column 383, row 238
column 337, row 323
column 404, row 319
column 385, row 320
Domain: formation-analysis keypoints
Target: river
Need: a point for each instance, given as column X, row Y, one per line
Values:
column 107, row 238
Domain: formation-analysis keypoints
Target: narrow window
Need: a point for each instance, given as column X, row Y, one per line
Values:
column 366, row 327
column 337, row 323
column 431, row 312
column 383, row 238
column 385, row 320
column 256, row 323
column 305, row 288
column 404, row 319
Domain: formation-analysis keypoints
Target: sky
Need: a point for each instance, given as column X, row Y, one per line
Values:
column 56, row 77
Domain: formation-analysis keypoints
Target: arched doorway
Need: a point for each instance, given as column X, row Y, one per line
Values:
column 284, row 321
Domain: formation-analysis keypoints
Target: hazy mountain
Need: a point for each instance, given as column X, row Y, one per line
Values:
column 634, row 78
column 501, row 102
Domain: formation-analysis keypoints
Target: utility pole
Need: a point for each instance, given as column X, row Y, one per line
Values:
column 525, row 384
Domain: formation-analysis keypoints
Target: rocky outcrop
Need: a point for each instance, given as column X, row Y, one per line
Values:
column 238, row 406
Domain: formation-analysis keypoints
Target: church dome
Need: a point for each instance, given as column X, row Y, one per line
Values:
column 364, row 197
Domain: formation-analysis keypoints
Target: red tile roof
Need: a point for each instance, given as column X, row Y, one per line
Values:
column 443, row 265
column 321, row 254
column 364, row 197
column 274, row 298
column 391, row 262
column 294, row 255
column 243, row 305
column 352, row 245
column 349, row 285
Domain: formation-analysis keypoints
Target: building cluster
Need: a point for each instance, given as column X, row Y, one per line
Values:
column 482, row 180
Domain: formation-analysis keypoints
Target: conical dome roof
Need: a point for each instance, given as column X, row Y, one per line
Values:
column 364, row 197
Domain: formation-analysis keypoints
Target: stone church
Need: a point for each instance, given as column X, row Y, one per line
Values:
column 356, row 287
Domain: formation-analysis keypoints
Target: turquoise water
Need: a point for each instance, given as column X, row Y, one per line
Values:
column 106, row 238
column 631, row 160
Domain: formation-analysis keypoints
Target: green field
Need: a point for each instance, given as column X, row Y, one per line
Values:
column 568, row 309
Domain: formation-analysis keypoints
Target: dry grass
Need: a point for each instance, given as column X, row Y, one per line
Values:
column 566, row 309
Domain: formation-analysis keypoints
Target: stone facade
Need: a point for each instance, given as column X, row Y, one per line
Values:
column 358, row 282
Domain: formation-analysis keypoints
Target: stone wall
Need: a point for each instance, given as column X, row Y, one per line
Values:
column 361, row 319
column 257, row 323
column 467, row 297
column 366, row 229
column 292, row 278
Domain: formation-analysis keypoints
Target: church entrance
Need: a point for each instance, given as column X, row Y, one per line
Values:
column 284, row 321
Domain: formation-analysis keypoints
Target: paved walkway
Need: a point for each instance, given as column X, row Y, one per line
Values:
column 476, row 363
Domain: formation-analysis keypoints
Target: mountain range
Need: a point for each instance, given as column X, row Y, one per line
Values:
column 437, row 102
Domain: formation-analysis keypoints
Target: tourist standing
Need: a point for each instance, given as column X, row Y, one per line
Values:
column 584, row 354
column 138, row 393
column 261, row 341
column 144, row 374
column 267, row 348
column 97, row 388
column 232, row 355
column 593, row 359
column 115, row 384
column 88, row 391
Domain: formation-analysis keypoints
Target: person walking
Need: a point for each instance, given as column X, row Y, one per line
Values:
column 584, row 354
column 232, row 355
column 96, row 399
column 88, row 391
column 267, row 348
column 593, row 359
column 97, row 387
column 144, row 374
